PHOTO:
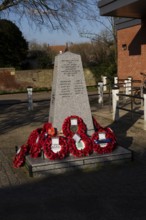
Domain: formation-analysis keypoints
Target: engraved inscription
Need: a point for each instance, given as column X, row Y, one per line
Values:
column 65, row 90
column 69, row 85
column 70, row 67
column 78, row 87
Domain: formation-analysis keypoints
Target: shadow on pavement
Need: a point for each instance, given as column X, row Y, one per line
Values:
column 9, row 102
column 115, row 192
column 121, row 127
column 16, row 116
column 109, row 192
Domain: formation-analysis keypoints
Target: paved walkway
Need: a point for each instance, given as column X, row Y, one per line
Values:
column 109, row 192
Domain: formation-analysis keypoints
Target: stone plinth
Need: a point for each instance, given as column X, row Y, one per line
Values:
column 69, row 94
column 40, row 166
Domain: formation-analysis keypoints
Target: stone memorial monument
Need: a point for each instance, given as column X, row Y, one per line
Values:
column 69, row 98
column 69, row 94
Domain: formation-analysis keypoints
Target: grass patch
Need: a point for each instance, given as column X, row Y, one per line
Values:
column 92, row 88
column 2, row 92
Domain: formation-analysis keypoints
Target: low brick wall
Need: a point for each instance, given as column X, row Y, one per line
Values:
column 15, row 80
column 35, row 78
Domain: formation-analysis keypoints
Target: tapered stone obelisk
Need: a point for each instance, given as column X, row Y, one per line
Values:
column 69, row 94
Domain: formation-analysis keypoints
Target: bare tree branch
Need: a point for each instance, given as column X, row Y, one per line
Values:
column 54, row 14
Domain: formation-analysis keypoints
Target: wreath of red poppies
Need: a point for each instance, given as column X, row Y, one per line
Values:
column 110, row 141
column 33, row 143
column 59, row 155
column 19, row 159
column 66, row 127
column 83, row 152
column 48, row 130
column 40, row 141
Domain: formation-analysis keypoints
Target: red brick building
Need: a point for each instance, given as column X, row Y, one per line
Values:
column 58, row 48
column 130, row 21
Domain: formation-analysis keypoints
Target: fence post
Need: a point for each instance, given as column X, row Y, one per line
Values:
column 104, row 79
column 144, row 95
column 30, row 100
column 126, row 87
column 115, row 100
column 116, row 81
column 100, row 92
column 130, row 85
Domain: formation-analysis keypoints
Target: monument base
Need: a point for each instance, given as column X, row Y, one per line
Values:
column 41, row 167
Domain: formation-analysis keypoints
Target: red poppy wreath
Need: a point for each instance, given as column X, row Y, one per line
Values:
column 19, row 159
column 54, row 152
column 104, row 141
column 66, row 127
column 81, row 148
column 33, row 143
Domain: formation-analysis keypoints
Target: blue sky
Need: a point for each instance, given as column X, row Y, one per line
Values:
column 55, row 37
column 51, row 37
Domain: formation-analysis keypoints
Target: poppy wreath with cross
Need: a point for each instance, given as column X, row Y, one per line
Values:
column 66, row 127
column 86, row 151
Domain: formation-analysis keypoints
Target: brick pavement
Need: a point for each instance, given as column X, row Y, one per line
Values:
column 109, row 192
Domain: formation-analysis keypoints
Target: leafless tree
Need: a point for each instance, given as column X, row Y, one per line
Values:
column 107, row 26
column 106, row 39
column 55, row 14
column 33, row 45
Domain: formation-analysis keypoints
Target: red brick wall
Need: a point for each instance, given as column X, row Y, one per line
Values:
column 11, row 80
column 132, row 61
